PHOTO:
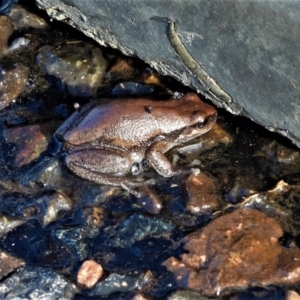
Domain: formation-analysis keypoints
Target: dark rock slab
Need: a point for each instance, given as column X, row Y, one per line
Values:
column 243, row 55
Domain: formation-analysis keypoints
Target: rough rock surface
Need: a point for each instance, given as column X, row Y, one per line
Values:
column 248, row 49
column 234, row 252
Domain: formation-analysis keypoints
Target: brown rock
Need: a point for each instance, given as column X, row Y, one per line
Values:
column 124, row 68
column 236, row 251
column 30, row 140
column 8, row 263
column 201, row 196
column 89, row 273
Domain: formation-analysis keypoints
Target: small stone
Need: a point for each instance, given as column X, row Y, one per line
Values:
column 22, row 18
column 78, row 68
column 292, row 295
column 55, row 204
column 12, row 84
column 89, row 274
column 97, row 217
column 30, row 140
column 236, row 251
column 124, row 68
column 201, row 195
column 8, row 263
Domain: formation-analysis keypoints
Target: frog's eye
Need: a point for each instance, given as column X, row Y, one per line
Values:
column 202, row 123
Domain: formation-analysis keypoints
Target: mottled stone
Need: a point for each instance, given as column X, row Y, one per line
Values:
column 78, row 67
column 89, row 273
column 12, row 83
column 201, row 195
column 235, row 251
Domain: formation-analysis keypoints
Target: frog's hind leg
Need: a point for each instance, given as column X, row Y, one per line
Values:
column 105, row 166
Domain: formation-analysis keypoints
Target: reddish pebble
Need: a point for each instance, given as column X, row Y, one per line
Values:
column 89, row 273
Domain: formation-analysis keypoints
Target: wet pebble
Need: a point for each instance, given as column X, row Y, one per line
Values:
column 120, row 283
column 138, row 227
column 77, row 67
column 22, row 18
column 73, row 239
column 54, row 207
column 201, row 194
column 233, row 252
column 30, row 141
column 89, row 273
column 47, row 173
column 12, row 83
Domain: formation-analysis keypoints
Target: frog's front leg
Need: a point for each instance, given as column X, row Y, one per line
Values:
column 157, row 160
column 104, row 166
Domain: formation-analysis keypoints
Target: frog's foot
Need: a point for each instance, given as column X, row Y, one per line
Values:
column 158, row 161
column 132, row 186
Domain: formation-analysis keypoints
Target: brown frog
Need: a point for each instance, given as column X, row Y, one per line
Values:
column 108, row 143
